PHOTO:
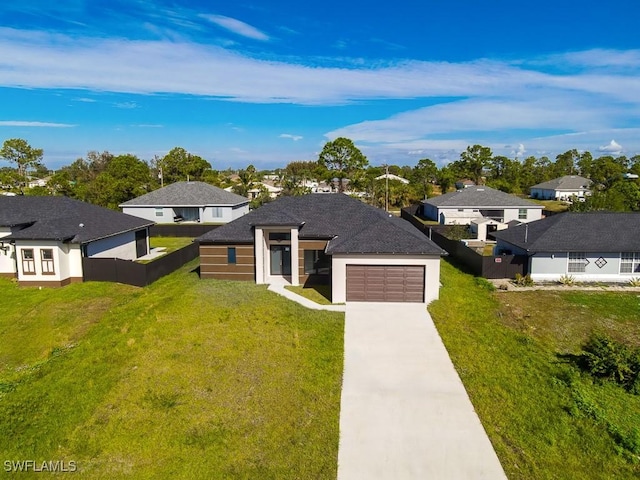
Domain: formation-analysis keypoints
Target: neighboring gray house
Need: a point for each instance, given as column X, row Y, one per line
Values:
column 477, row 202
column 364, row 253
column 188, row 202
column 592, row 247
column 43, row 239
column 562, row 188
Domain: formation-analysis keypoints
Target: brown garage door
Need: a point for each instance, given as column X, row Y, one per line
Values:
column 385, row 283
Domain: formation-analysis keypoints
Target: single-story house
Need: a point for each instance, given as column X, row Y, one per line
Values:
column 43, row 239
column 592, row 246
column 364, row 253
column 476, row 202
column 188, row 202
column 562, row 188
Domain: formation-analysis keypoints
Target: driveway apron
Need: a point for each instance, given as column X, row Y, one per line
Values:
column 404, row 411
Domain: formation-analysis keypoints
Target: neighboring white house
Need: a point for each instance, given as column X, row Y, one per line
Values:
column 273, row 190
column 43, row 239
column 477, row 202
column 562, row 188
column 188, row 202
column 591, row 247
column 361, row 251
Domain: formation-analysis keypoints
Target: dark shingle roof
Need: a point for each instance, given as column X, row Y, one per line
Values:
column 568, row 182
column 59, row 218
column 480, row 196
column 577, row 232
column 352, row 226
column 186, row 194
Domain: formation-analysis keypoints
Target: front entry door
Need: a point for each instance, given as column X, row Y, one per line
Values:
column 281, row 260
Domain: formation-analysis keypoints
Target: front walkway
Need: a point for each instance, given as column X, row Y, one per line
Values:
column 404, row 411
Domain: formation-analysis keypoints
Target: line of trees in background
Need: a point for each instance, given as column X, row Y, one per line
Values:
column 109, row 180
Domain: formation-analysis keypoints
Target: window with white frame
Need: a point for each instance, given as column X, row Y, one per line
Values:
column 159, row 212
column 28, row 262
column 630, row 262
column 216, row 212
column 577, row 262
column 46, row 261
column 522, row 214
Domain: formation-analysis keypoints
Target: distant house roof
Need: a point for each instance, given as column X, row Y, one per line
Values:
column 63, row 219
column 568, row 182
column 350, row 225
column 465, row 183
column 186, row 194
column 267, row 185
column 479, row 197
column 577, row 232
column 391, row 176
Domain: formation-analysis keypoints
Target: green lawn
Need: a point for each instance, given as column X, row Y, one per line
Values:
column 513, row 352
column 321, row 294
column 169, row 243
column 187, row 378
column 552, row 205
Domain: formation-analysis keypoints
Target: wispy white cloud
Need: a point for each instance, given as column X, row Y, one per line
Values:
column 85, row 100
column 42, row 60
column 126, row 105
column 19, row 123
column 533, row 102
column 148, row 125
column 613, row 147
column 295, row 138
column 236, row 26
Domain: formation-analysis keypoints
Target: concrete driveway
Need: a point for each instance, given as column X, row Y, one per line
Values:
column 404, row 411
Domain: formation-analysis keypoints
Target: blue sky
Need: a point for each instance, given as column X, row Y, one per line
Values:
column 271, row 82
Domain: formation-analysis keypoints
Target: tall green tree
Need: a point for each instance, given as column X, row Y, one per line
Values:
column 423, row 175
column 505, row 174
column 124, row 178
column 566, row 163
column 76, row 180
column 179, row 165
column 25, row 157
column 445, row 178
column 585, row 164
column 607, row 170
column 473, row 161
column 247, row 178
column 343, row 159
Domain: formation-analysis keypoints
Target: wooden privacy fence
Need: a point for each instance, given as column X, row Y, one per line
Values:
column 191, row 230
column 133, row 273
column 487, row 266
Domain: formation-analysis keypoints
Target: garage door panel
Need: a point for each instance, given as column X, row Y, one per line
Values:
column 385, row 283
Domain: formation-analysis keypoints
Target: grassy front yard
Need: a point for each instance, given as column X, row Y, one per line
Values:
column 321, row 294
column 512, row 350
column 186, row 378
column 552, row 205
